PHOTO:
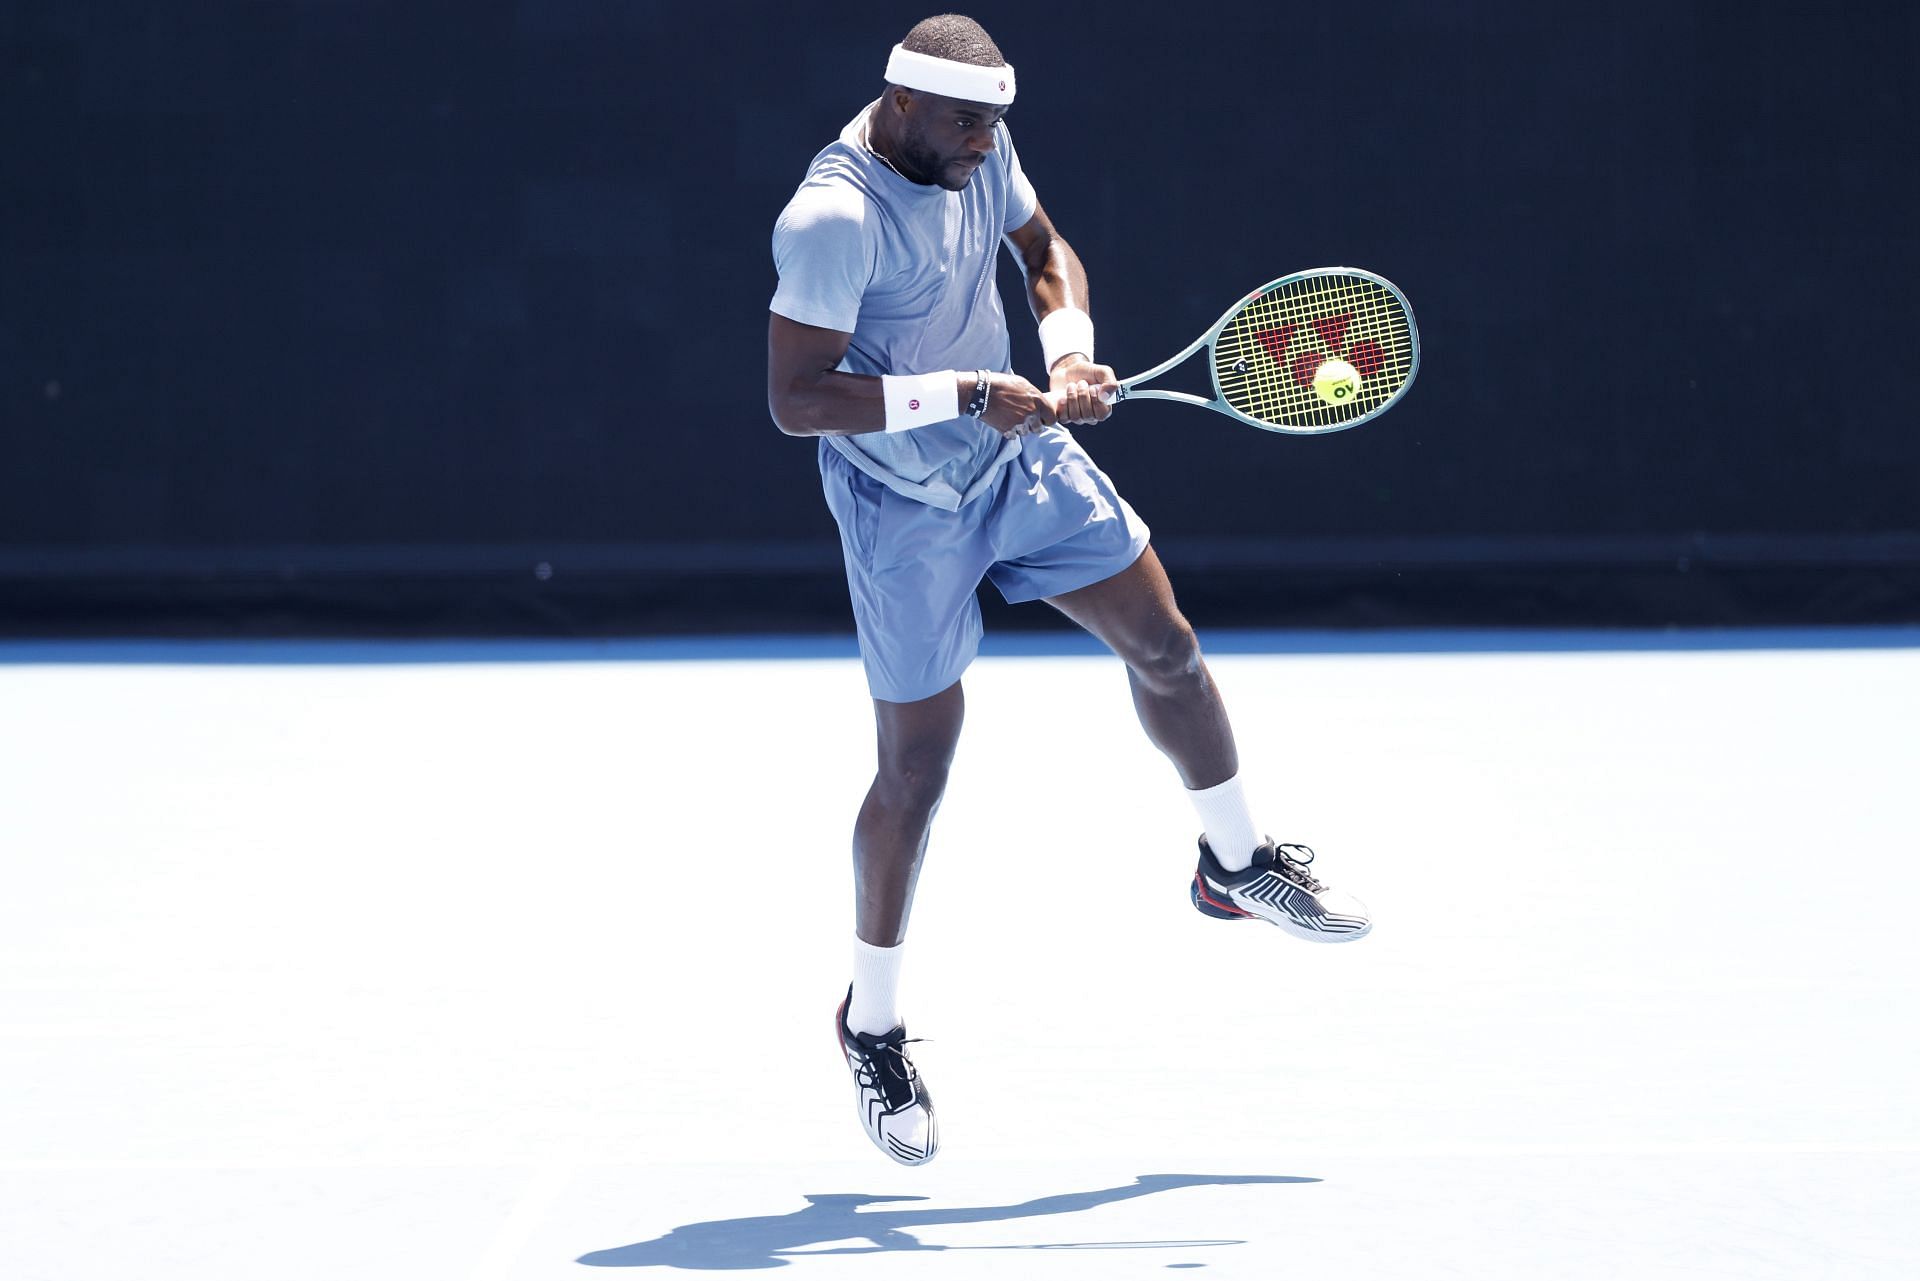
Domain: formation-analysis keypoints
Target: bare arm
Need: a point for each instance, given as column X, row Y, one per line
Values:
column 808, row 396
column 1055, row 279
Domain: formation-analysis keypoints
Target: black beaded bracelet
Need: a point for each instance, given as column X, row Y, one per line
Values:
column 978, row 405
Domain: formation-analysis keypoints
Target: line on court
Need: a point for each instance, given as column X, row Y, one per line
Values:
column 549, row 1180
column 1004, row 642
column 551, row 1176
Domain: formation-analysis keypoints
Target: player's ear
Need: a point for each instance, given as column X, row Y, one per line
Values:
column 900, row 98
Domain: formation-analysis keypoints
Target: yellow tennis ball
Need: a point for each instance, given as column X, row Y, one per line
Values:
column 1336, row 382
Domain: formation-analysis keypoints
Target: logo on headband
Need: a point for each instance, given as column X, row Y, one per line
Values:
column 966, row 81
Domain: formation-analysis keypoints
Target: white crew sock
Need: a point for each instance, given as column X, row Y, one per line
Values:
column 1231, row 833
column 875, row 1007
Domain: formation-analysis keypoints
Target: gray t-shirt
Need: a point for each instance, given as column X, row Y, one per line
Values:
column 908, row 271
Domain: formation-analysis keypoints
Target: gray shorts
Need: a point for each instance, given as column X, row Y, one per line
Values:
column 1051, row 523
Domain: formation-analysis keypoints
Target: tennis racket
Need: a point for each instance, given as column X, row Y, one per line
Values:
column 1266, row 354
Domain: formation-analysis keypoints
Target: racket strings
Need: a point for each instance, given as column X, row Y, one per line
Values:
column 1266, row 355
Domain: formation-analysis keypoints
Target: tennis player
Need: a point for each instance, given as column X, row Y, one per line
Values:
column 888, row 341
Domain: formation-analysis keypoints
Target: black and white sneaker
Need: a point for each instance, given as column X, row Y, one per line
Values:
column 894, row 1104
column 1278, row 889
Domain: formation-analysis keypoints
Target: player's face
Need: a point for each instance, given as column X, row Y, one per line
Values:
column 947, row 140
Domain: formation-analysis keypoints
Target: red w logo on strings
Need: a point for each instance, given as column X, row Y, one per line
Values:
column 1366, row 357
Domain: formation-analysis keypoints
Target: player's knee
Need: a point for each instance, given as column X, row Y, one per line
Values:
column 1169, row 659
column 914, row 779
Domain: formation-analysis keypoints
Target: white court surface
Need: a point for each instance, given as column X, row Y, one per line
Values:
column 524, row 970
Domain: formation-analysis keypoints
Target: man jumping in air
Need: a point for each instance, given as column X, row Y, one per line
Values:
column 888, row 341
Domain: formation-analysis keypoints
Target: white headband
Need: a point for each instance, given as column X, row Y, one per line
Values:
column 962, row 80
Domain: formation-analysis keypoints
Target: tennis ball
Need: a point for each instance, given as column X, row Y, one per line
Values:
column 1336, row 382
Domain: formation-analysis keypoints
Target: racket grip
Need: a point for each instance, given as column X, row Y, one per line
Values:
column 1113, row 397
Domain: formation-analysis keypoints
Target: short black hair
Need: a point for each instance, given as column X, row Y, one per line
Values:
column 955, row 37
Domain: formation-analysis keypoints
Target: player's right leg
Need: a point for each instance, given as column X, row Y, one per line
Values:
column 916, row 745
column 912, row 570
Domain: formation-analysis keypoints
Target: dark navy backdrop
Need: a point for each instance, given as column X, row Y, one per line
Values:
column 330, row 314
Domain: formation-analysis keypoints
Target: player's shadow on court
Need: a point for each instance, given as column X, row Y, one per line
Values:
column 770, row 1241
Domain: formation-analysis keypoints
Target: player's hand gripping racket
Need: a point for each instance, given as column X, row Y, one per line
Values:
column 1314, row 352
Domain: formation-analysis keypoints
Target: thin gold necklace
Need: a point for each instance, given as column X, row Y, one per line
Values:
column 866, row 140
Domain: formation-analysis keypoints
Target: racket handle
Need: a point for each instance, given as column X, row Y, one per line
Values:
column 1113, row 397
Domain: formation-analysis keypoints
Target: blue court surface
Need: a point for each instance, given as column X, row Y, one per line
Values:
column 476, row 962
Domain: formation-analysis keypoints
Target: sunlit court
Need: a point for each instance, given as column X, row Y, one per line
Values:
column 411, row 961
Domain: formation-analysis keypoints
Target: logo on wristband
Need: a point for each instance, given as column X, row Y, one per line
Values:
column 913, row 404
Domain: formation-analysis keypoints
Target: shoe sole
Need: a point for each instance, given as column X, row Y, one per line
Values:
column 1211, row 901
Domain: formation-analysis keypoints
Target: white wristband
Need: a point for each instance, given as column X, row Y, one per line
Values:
column 1063, row 330
column 914, row 400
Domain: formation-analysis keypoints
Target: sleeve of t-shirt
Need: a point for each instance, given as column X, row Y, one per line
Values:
column 824, row 257
column 1021, row 200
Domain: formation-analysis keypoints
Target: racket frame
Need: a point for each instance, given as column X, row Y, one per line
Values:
column 1130, row 391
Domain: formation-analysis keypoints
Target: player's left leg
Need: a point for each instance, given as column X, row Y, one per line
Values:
column 1133, row 612
column 1242, row 875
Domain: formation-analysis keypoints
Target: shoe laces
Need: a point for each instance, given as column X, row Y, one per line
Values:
column 884, row 1066
column 1291, row 860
